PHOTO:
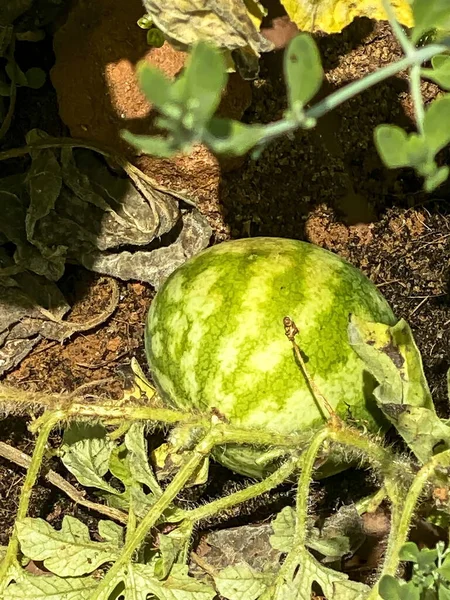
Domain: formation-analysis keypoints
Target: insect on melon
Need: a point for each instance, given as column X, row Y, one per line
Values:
column 215, row 339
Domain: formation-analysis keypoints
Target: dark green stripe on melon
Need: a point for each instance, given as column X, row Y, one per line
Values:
column 215, row 336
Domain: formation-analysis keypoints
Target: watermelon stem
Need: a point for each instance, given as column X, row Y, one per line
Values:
column 216, row 506
column 291, row 330
column 403, row 512
column 198, row 454
column 296, row 556
column 48, row 422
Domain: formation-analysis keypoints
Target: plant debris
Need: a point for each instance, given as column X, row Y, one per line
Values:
column 71, row 207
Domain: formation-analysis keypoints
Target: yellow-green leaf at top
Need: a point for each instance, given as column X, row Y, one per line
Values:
column 331, row 16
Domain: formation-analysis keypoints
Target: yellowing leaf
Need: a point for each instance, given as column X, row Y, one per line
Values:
column 331, row 16
column 230, row 24
column 256, row 12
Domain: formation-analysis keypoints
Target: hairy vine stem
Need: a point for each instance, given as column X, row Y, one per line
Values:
column 33, row 471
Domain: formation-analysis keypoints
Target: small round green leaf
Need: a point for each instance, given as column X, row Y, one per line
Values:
column 391, row 142
column 409, row 552
column 436, row 124
column 428, row 15
column 432, row 182
column 389, row 588
column 302, row 70
column 233, row 138
column 200, row 87
column 155, row 85
column 155, row 38
column 440, row 73
column 35, row 78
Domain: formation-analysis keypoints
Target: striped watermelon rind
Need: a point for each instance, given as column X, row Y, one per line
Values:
column 215, row 339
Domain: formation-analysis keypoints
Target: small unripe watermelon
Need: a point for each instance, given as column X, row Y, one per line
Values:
column 215, row 339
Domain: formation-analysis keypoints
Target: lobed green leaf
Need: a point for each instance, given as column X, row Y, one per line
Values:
column 283, row 530
column 138, row 458
column 44, row 183
column 68, row 552
column 38, row 587
column 241, row 582
column 141, row 583
column 86, row 454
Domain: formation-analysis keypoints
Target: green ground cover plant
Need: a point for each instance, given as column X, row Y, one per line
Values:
column 187, row 105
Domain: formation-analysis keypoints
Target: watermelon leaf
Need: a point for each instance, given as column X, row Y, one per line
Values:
column 155, row 85
column 35, row 78
column 69, row 551
column 241, row 582
column 86, row 454
column 437, row 178
column 37, row 587
column 392, row 357
column 436, row 124
column 155, row 38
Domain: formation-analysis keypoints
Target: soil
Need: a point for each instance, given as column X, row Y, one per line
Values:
column 326, row 186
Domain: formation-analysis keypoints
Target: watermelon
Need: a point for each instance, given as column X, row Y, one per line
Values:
column 215, row 339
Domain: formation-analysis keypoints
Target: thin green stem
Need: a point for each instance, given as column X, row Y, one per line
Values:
column 379, row 457
column 25, row 496
column 415, row 88
column 119, row 431
column 202, row 449
column 286, row 126
column 306, row 475
column 353, row 89
column 407, row 46
column 415, row 80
